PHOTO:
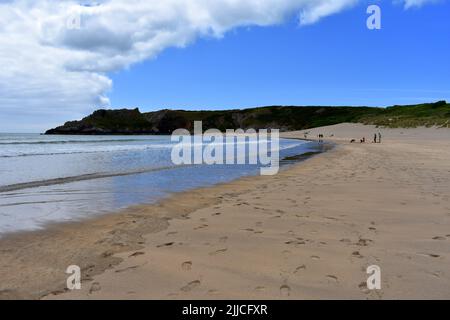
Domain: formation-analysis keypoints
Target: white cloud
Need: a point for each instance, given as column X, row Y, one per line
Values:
column 315, row 10
column 49, row 69
column 416, row 3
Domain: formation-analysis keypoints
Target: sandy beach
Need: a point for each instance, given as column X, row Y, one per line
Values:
column 309, row 232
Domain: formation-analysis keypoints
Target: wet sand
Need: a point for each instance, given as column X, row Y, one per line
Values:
column 309, row 232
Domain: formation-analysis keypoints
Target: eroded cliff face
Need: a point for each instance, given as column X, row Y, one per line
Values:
column 166, row 121
column 121, row 121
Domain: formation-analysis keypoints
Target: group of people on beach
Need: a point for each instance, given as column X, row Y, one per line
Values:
column 376, row 138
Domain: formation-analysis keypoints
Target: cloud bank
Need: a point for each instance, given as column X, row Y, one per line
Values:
column 52, row 67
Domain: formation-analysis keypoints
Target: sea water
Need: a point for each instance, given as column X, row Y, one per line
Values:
column 51, row 178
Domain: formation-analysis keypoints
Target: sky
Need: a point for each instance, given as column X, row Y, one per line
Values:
column 60, row 61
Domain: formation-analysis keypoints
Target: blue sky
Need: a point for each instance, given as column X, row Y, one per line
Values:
column 61, row 62
column 336, row 61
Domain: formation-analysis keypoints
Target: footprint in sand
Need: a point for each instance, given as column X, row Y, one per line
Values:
column 299, row 268
column 213, row 292
column 191, row 286
column 223, row 239
column 332, row 278
column 363, row 287
column 285, row 290
column 356, row 254
column 95, row 287
column 186, row 266
column 218, row 252
column 107, row 254
column 173, row 294
column 436, row 274
column 260, row 289
column 431, row 255
column 138, row 253
column 126, row 269
column 295, row 242
column 315, row 257
column 438, row 238
column 363, row 242
column 168, row 244
column 201, row 227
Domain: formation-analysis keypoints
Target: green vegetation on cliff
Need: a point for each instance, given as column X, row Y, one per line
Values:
column 278, row 117
column 429, row 114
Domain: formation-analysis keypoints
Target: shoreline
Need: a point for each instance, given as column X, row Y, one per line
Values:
column 321, row 220
column 100, row 175
column 78, row 185
column 285, row 162
column 102, row 257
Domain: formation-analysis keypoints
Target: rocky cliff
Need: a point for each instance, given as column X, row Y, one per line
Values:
column 125, row 121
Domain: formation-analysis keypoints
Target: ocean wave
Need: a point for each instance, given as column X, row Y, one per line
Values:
column 83, row 177
column 69, row 141
column 124, row 148
column 117, row 148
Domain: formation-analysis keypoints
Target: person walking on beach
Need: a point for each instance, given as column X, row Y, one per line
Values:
column 375, row 138
column 320, row 136
column 379, row 137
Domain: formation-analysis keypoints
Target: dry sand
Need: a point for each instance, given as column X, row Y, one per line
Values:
column 309, row 232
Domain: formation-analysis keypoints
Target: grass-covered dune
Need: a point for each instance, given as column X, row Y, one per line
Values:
column 285, row 118
column 430, row 114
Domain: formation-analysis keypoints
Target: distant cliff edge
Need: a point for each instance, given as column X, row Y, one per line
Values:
column 285, row 118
